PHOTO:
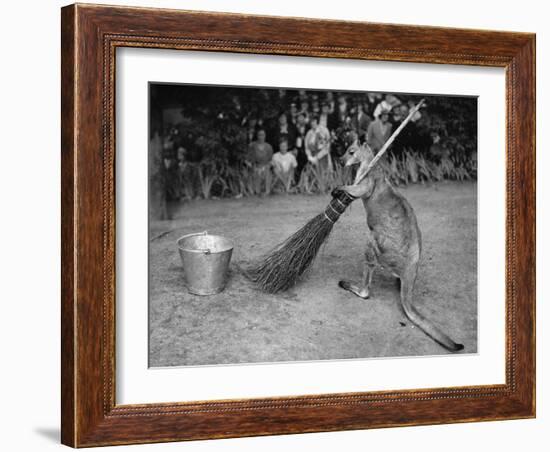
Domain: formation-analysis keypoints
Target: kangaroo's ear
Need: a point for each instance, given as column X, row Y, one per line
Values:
column 366, row 156
column 361, row 171
column 351, row 138
column 369, row 153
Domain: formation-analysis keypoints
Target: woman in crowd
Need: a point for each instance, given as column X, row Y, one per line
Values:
column 260, row 151
column 317, row 145
column 387, row 104
column 259, row 156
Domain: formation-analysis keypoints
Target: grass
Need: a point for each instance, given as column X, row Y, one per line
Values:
column 220, row 180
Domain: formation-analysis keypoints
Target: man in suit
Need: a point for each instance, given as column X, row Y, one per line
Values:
column 360, row 122
column 284, row 128
column 325, row 117
column 338, row 117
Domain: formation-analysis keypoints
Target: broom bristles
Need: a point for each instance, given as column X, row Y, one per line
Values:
column 282, row 268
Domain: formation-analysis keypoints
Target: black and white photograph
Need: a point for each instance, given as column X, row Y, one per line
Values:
column 292, row 225
column 245, row 226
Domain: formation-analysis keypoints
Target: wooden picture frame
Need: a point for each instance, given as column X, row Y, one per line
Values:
column 90, row 36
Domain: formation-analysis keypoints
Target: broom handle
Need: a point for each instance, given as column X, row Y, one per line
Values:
column 387, row 144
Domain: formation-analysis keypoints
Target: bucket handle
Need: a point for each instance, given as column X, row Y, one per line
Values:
column 205, row 251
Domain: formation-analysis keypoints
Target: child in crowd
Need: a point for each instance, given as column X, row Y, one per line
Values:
column 284, row 163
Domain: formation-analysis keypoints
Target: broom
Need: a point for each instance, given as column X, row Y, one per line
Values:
column 282, row 268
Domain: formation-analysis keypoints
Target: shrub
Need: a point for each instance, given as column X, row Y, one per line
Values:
column 217, row 178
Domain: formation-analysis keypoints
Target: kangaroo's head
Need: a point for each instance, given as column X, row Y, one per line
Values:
column 357, row 153
column 361, row 154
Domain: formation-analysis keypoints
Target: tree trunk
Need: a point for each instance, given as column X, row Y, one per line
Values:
column 157, row 192
column 157, row 178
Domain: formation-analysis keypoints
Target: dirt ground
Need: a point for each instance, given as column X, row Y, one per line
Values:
column 316, row 319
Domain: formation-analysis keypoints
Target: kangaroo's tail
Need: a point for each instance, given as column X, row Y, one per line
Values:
column 419, row 320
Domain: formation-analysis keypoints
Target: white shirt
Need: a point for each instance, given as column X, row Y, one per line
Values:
column 284, row 162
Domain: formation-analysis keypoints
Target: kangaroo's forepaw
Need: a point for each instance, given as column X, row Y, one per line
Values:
column 334, row 193
column 338, row 192
column 344, row 191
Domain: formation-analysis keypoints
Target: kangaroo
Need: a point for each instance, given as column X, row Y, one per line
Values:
column 393, row 238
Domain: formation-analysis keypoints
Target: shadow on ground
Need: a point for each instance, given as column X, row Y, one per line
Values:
column 316, row 319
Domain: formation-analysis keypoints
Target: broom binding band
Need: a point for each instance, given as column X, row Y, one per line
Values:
column 338, row 204
column 329, row 218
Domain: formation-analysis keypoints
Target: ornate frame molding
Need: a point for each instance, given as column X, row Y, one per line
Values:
column 90, row 37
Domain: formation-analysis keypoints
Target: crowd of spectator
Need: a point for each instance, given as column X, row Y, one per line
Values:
column 311, row 130
column 302, row 128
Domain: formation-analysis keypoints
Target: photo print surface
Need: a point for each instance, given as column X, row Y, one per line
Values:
column 273, row 237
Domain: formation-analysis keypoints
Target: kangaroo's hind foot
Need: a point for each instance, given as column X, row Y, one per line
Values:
column 362, row 291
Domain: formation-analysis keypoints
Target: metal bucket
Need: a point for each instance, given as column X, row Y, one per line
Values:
column 205, row 260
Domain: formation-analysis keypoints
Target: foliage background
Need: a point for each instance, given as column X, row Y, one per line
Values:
column 213, row 128
column 215, row 117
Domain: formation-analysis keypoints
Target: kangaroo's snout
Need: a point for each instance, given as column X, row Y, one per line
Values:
column 350, row 157
column 356, row 154
column 345, row 160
